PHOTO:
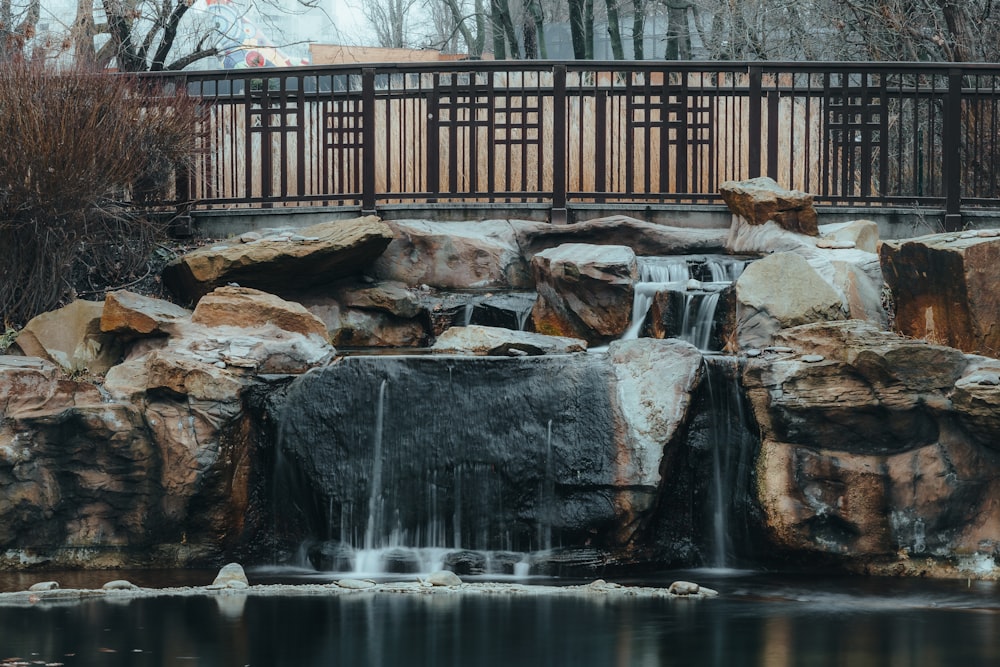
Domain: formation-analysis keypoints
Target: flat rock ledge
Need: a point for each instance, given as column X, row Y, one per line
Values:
column 598, row 589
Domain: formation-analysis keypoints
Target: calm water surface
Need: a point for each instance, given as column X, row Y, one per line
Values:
column 758, row 620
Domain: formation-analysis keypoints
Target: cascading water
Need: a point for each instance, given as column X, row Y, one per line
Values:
column 698, row 279
column 478, row 465
column 731, row 450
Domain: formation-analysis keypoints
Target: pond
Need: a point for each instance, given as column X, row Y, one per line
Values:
column 758, row 620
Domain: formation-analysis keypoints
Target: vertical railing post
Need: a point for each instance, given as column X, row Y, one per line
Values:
column 369, row 154
column 952, row 157
column 754, row 125
column 559, row 215
column 433, row 153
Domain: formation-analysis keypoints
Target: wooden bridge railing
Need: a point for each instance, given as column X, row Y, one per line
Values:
column 565, row 133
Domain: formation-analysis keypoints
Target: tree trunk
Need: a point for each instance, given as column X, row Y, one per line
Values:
column 965, row 46
column 678, row 35
column 639, row 29
column 576, row 29
column 615, row 30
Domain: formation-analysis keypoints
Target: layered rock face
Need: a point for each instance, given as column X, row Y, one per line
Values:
column 150, row 465
column 867, row 454
column 155, row 435
column 945, row 289
column 488, row 454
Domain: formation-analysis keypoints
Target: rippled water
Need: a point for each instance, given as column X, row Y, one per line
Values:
column 758, row 620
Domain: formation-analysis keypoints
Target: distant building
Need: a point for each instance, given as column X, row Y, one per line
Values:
column 339, row 54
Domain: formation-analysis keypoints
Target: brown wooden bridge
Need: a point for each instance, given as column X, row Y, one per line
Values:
column 565, row 134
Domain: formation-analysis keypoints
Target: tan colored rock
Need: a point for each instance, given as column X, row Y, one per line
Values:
column 72, row 338
column 873, row 393
column 863, row 234
column 934, row 499
column 584, row 291
column 32, row 385
column 761, row 199
column 249, row 308
column 946, row 288
column 182, row 376
column 131, row 314
column 455, row 255
column 645, row 238
column 495, row 341
column 654, row 381
column 779, row 291
column 311, row 256
column 977, row 401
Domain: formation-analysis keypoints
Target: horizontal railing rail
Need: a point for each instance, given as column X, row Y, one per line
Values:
column 561, row 134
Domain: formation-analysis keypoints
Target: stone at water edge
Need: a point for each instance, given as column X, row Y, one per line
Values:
column 44, row 586
column 231, row 576
column 355, row 584
column 584, row 291
column 443, row 578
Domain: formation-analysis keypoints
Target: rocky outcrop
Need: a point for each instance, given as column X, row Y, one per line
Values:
column 584, row 291
column 873, row 447
column 645, row 238
column 250, row 308
column 780, row 291
column 497, row 342
column 450, row 255
column 153, row 465
column 71, row 337
column 945, row 289
column 131, row 315
column 432, row 440
column 760, row 200
column 282, row 262
column 371, row 315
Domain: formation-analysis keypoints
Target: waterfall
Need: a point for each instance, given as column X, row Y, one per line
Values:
column 414, row 463
column 732, row 449
column 700, row 294
column 375, row 499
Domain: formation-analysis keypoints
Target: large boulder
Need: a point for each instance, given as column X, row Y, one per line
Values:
column 477, row 453
column 250, row 308
column 497, row 341
column 71, row 337
column 875, row 447
column 455, row 255
column 132, row 315
column 584, row 291
column 779, row 291
column 282, row 262
column 377, row 315
column 946, row 288
column 645, row 238
column 761, row 199
column 844, row 256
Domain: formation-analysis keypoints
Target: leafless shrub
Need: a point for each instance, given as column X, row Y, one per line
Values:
column 77, row 148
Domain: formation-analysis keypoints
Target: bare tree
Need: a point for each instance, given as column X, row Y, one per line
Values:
column 390, row 21
column 17, row 26
column 937, row 30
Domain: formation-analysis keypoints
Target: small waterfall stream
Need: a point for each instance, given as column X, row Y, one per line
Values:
column 697, row 279
column 731, row 450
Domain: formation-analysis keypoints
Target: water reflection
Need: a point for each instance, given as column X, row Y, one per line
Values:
column 755, row 624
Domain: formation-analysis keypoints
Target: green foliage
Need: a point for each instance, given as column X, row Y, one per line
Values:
column 76, row 148
column 7, row 338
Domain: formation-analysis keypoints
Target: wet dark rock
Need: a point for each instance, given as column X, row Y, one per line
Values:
column 331, row 556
